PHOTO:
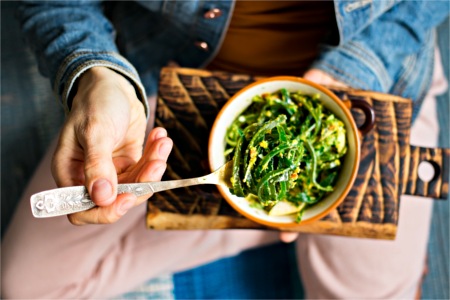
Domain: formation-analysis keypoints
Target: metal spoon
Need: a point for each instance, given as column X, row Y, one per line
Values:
column 68, row 200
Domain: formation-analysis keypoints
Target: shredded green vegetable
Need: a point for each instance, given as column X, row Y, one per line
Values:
column 285, row 147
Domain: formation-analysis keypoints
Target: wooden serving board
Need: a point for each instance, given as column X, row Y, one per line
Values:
column 188, row 102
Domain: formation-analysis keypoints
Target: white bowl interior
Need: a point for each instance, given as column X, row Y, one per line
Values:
column 233, row 109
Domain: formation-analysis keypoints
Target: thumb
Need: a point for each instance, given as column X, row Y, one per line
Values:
column 100, row 172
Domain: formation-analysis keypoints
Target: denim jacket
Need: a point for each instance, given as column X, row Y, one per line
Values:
column 384, row 45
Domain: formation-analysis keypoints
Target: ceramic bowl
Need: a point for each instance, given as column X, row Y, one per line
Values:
column 349, row 169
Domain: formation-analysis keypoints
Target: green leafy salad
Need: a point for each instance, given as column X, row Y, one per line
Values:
column 286, row 150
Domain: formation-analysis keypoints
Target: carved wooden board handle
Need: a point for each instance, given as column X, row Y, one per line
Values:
column 437, row 187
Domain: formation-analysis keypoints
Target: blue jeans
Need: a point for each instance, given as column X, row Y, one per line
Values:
column 268, row 272
column 264, row 273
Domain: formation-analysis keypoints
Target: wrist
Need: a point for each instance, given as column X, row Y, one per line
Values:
column 95, row 75
column 103, row 76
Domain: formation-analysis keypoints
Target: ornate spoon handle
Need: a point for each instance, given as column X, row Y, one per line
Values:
column 63, row 201
column 73, row 199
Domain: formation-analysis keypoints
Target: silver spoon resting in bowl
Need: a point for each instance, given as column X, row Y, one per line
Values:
column 68, row 200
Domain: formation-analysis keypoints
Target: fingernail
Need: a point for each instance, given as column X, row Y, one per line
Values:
column 125, row 206
column 164, row 149
column 160, row 134
column 101, row 190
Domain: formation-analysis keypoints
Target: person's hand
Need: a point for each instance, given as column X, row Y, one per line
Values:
column 321, row 78
column 101, row 144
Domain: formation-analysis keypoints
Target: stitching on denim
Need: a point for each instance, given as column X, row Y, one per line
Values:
column 69, row 59
column 410, row 68
column 104, row 63
column 400, row 85
column 373, row 62
column 387, row 5
column 357, row 5
column 79, row 70
column 62, row 68
column 339, row 22
column 425, row 84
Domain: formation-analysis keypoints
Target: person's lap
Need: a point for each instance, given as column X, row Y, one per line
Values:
column 59, row 260
column 107, row 260
column 342, row 267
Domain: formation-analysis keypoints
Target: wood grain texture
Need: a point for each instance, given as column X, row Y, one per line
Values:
column 437, row 187
column 188, row 102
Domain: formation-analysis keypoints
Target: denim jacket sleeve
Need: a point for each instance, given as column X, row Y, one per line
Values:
column 382, row 44
column 68, row 38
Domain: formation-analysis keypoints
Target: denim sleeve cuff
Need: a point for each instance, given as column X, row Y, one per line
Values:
column 79, row 62
column 355, row 65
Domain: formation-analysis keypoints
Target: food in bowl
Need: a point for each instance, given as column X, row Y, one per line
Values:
column 287, row 150
column 236, row 106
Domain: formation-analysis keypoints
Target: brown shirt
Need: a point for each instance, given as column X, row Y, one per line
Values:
column 274, row 37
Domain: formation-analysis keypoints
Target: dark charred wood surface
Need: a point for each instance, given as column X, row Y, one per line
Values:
column 188, row 102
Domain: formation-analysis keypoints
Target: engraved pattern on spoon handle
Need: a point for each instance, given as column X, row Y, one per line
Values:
column 64, row 201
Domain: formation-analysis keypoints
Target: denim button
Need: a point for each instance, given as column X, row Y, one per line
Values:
column 212, row 13
column 202, row 45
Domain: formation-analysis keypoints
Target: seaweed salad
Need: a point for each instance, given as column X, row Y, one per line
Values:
column 286, row 150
